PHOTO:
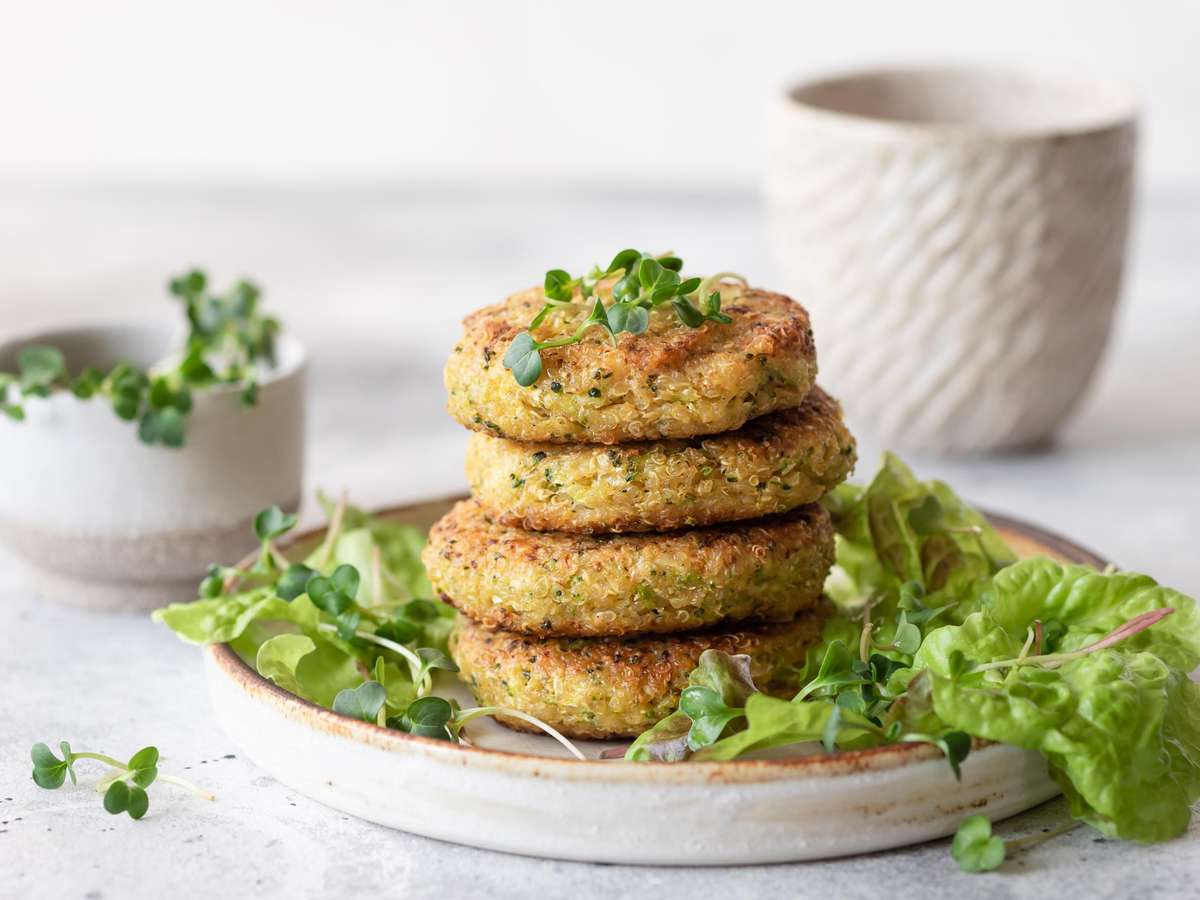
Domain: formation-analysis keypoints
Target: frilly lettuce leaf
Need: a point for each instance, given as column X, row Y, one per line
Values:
column 278, row 657
column 316, row 670
column 222, row 619
column 898, row 530
column 1102, row 722
column 1090, row 604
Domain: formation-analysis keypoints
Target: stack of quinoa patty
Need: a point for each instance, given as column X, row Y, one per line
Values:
column 638, row 504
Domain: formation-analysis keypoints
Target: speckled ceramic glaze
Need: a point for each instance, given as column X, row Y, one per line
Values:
column 518, row 793
column 107, row 522
column 958, row 236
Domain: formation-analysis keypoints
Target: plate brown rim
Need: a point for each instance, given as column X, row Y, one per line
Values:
column 849, row 762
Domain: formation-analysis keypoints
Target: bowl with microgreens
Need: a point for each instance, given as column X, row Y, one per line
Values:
column 139, row 452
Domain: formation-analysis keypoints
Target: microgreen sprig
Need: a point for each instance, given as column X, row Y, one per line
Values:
column 229, row 342
column 644, row 282
column 125, row 784
column 977, row 849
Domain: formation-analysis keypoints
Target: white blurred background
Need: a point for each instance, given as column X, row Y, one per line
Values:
column 644, row 93
column 381, row 168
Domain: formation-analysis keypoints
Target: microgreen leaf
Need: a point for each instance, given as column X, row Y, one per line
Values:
column 143, row 767
column 40, row 367
column 213, row 583
column 294, row 580
column 955, row 746
column 628, row 317
column 122, row 797
column 116, row 798
column 272, row 523
column 346, row 579
column 48, row 770
column 836, row 671
column 433, row 659
column 163, row 426
column 524, row 359
column 649, row 271
column 882, row 667
column 139, row 803
column 335, row 594
column 399, row 630
column 688, row 314
column 975, row 848
column 597, row 317
column 87, row 383
column 623, row 261
column 711, row 306
column 188, row 285
column 426, row 717
column 709, row 715
column 362, row 702
column 347, row 625
column 638, row 320
column 558, row 285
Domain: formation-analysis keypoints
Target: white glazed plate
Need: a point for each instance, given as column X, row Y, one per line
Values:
column 521, row 794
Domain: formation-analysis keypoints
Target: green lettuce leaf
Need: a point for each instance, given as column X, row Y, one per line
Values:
column 1090, row 604
column 897, row 531
column 1102, row 723
column 1118, row 726
column 771, row 722
column 222, row 619
column 325, row 672
column 316, row 670
column 279, row 656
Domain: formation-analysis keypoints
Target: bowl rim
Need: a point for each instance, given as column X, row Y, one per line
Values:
column 292, row 356
column 225, row 661
column 1126, row 102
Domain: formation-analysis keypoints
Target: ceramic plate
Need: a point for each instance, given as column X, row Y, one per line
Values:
column 522, row 793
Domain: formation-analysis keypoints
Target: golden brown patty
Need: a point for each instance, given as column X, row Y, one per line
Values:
column 770, row 465
column 582, row 585
column 614, row 687
column 670, row 382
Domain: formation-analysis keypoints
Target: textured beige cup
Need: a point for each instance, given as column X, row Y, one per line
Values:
column 105, row 521
column 958, row 235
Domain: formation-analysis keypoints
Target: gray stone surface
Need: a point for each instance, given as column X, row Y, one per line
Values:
column 376, row 281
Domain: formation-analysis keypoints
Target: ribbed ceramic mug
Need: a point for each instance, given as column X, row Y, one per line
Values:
column 958, row 235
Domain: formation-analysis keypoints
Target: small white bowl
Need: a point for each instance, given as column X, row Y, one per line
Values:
column 107, row 522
